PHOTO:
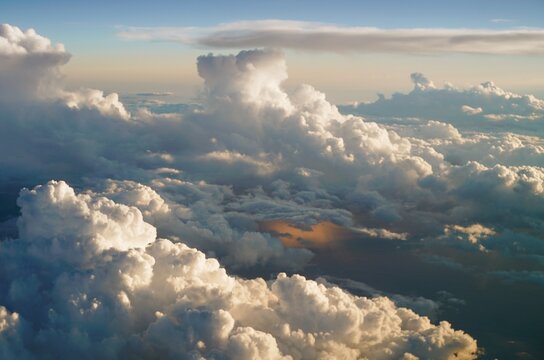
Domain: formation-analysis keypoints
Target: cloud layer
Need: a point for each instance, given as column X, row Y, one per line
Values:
column 484, row 105
column 332, row 38
column 88, row 277
column 90, row 270
column 255, row 152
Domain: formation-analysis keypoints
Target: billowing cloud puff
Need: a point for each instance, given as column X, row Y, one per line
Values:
column 298, row 131
column 251, row 77
column 149, row 297
column 94, row 99
column 482, row 105
column 29, row 66
column 16, row 42
column 30, row 70
column 128, row 231
column 199, row 219
column 11, row 336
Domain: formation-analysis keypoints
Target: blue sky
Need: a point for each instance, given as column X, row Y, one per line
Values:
column 82, row 23
column 388, row 13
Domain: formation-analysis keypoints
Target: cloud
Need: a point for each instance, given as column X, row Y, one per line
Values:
column 154, row 94
column 16, row 42
column 100, row 284
column 250, row 77
column 421, row 305
column 535, row 277
column 469, row 108
column 501, row 20
column 11, row 336
column 94, row 99
column 30, row 71
column 29, row 64
column 479, row 238
column 333, row 38
column 382, row 233
column 469, row 235
column 256, row 152
column 128, row 231
column 198, row 218
column 209, row 177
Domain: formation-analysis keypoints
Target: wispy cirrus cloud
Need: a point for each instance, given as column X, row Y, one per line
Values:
column 501, row 20
column 311, row 36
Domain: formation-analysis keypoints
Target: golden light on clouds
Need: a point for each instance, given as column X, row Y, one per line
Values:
column 323, row 234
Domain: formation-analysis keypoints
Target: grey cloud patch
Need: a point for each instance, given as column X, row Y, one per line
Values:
column 535, row 277
column 155, row 94
column 332, row 38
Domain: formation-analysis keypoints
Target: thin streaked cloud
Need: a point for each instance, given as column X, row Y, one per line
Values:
column 310, row 36
column 501, row 20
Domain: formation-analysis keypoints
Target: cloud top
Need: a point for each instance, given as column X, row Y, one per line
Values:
column 16, row 41
column 474, row 105
column 87, row 277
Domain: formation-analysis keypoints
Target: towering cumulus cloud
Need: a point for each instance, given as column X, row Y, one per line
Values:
column 30, row 63
column 88, row 277
column 30, row 71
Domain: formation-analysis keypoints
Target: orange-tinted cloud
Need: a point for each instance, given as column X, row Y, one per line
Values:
column 322, row 234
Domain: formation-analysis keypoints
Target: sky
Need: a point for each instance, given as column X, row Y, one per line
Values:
column 89, row 30
column 281, row 180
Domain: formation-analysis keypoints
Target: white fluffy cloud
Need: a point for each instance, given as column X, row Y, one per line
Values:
column 30, row 70
column 29, row 64
column 198, row 218
column 16, row 42
column 91, row 279
column 475, row 107
column 94, row 99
